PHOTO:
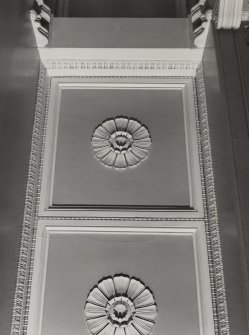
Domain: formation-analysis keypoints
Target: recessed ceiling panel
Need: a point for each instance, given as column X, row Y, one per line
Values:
column 163, row 265
column 121, row 145
column 161, row 178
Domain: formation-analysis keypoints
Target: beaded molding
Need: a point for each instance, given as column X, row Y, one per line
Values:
column 30, row 220
column 221, row 320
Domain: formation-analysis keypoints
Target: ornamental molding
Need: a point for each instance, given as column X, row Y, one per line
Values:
column 24, row 271
column 120, row 305
column 75, row 64
column 40, row 17
column 121, row 142
column 98, row 67
column 228, row 13
column 125, row 62
column 211, row 216
column 201, row 23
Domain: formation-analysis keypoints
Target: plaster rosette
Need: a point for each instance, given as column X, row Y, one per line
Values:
column 120, row 305
column 121, row 142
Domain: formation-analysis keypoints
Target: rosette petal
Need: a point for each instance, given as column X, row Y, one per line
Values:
column 131, row 158
column 135, row 288
column 143, row 326
column 93, row 310
column 121, row 284
column 109, row 159
column 97, row 297
column 99, row 143
column 141, row 133
column 133, row 126
column 131, row 330
column 100, row 132
column 144, row 298
column 120, row 161
column 97, row 324
column 108, row 330
column 148, row 312
column 102, row 152
column 107, row 287
column 140, row 153
column 143, row 144
column 110, row 126
column 120, row 331
column 121, row 123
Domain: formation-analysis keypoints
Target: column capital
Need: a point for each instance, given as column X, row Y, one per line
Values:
column 228, row 13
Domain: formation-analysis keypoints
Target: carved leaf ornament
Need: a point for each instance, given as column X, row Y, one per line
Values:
column 121, row 142
column 120, row 305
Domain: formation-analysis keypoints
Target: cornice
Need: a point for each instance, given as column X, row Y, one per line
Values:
column 121, row 62
column 75, row 67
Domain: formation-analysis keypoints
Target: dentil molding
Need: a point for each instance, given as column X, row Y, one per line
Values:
column 121, row 62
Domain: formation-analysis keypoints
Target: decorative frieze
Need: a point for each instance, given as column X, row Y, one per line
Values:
column 111, row 65
column 69, row 67
column 121, row 62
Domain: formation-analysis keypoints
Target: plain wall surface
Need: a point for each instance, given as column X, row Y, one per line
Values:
column 120, row 33
column 120, row 8
column 18, row 87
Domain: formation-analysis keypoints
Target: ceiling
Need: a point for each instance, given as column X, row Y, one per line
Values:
column 119, row 8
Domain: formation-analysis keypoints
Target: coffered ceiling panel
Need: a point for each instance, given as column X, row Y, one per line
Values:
column 161, row 179
column 73, row 270
column 121, row 144
column 164, row 269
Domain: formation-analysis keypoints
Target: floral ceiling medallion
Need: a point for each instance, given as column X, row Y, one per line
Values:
column 121, row 142
column 120, row 305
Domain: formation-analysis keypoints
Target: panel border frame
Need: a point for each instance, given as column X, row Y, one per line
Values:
column 195, row 229
column 46, row 207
